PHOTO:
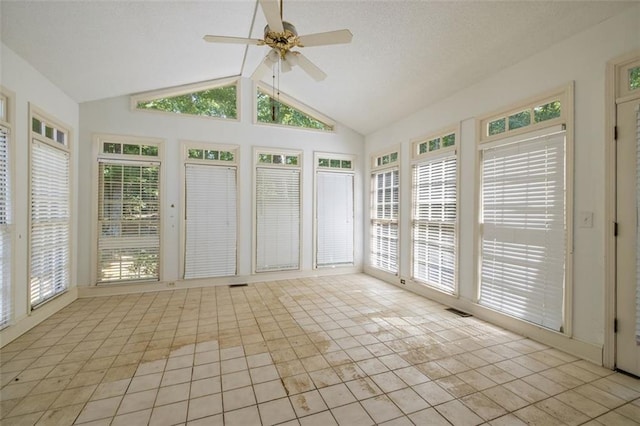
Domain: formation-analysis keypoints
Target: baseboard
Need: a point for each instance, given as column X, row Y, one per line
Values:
column 35, row 317
column 585, row 350
column 119, row 289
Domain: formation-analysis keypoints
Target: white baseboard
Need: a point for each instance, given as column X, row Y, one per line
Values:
column 585, row 350
column 118, row 289
column 35, row 317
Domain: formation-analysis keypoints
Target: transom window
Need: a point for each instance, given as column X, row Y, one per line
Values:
column 278, row 159
column 49, row 131
column 284, row 110
column 218, row 98
column 209, row 155
column 526, row 118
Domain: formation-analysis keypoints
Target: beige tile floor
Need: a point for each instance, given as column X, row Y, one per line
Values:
column 346, row 350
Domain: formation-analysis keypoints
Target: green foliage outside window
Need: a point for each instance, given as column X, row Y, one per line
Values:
column 285, row 114
column 634, row 78
column 547, row 111
column 217, row 102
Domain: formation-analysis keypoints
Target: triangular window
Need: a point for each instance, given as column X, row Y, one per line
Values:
column 283, row 112
column 211, row 99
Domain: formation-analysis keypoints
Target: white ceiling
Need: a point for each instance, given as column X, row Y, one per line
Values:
column 405, row 55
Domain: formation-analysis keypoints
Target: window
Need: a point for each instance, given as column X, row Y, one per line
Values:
column 6, row 305
column 524, row 228
column 50, row 210
column 530, row 117
column 211, row 99
column 334, row 210
column 384, row 213
column 210, row 212
column 284, row 110
column 435, row 206
column 128, row 212
column 277, row 187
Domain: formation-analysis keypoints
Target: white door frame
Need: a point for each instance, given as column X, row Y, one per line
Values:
column 611, row 94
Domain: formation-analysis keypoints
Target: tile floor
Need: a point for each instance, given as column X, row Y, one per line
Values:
column 347, row 350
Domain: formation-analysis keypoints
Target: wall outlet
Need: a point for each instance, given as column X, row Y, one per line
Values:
column 402, row 281
column 171, row 284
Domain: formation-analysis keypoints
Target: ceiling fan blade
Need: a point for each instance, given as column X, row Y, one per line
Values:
column 321, row 39
column 310, row 68
column 271, row 10
column 265, row 66
column 238, row 40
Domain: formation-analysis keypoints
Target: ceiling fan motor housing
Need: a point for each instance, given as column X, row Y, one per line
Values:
column 282, row 41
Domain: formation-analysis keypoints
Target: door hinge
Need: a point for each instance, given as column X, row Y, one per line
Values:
column 615, row 133
column 615, row 325
column 615, row 229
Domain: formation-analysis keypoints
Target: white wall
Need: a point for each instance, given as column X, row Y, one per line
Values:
column 29, row 86
column 582, row 59
column 114, row 116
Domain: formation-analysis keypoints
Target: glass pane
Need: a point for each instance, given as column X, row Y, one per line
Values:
column 211, row 154
column 3, row 108
column 335, row 164
column 111, row 148
column 385, row 159
column 150, row 151
column 60, row 137
column 196, row 154
column 48, row 132
column 394, row 156
column 422, row 148
column 634, row 78
column 36, row 125
column 278, row 159
column 131, row 149
column 292, row 160
column 434, row 144
column 521, row 119
column 218, row 102
column 273, row 111
column 323, row 162
column 547, row 111
column 449, row 140
column 226, row 155
column 346, row 164
column 497, row 126
column 264, row 158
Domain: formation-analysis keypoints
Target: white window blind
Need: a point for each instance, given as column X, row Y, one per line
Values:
column 334, row 219
column 278, row 219
column 638, row 227
column 524, row 229
column 434, row 222
column 384, row 222
column 128, row 221
column 50, row 222
column 210, row 217
column 5, row 231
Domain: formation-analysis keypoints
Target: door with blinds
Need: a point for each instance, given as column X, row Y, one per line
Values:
column 210, row 221
column 435, row 221
column 334, row 219
column 627, row 208
column 5, row 230
column 50, row 222
column 128, row 221
column 277, row 219
column 384, row 220
column 523, row 228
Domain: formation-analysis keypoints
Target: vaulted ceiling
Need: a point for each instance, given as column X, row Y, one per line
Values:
column 405, row 55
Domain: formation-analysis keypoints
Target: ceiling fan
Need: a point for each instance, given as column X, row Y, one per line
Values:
column 281, row 37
